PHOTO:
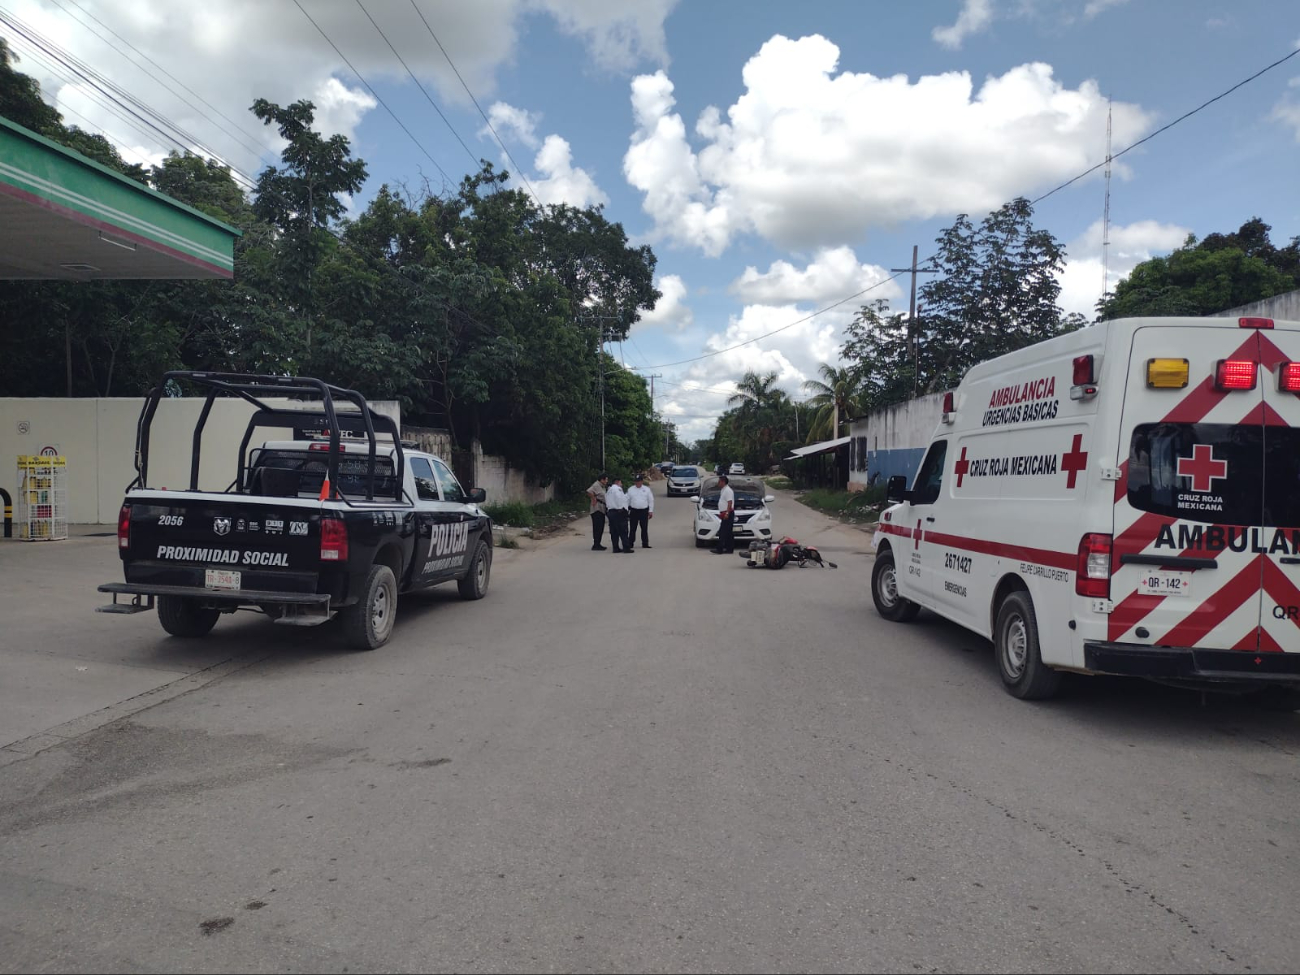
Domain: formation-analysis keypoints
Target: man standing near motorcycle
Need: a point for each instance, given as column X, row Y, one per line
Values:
column 727, row 514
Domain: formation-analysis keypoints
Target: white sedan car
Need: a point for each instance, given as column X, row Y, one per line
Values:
column 753, row 520
column 737, row 468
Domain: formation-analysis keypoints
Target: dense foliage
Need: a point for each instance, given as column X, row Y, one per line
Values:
column 479, row 310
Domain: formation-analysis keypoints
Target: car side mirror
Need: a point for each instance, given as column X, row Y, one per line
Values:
column 897, row 489
column 769, row 499
column 695, row 499
column 477, row 496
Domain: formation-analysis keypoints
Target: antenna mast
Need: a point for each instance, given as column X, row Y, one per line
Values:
column 1105, row 215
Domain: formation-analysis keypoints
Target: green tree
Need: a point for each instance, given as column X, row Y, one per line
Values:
column 997, row 292
column 835, row 398
column 1222, row 271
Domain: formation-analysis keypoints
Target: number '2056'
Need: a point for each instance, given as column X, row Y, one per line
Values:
column 175, row 520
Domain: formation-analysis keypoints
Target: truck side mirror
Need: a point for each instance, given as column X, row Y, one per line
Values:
column 897, row 489
column 477, row 496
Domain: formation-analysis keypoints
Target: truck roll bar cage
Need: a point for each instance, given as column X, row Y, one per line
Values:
column 248, row 387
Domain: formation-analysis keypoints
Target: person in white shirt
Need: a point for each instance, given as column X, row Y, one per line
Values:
column 727, row 513
column 641, row 501
column 616, row 507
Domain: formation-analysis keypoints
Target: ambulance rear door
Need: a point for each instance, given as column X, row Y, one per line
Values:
column 1280, row 377
column 1189, row 500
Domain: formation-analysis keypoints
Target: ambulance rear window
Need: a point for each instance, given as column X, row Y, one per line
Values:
column 1208, row 472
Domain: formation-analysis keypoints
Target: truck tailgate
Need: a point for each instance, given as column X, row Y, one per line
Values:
column 211, row 541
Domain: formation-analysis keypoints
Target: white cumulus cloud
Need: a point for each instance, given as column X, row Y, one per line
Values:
column 808, row 157
column 560, row 181
column 975, row 16
column 1130, row 245
column 833, row 273
column 671, row 310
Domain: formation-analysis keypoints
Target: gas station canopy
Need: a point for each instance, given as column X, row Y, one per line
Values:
column 66, row 217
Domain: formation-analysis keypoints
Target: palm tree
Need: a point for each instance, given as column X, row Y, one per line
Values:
column 836, row 394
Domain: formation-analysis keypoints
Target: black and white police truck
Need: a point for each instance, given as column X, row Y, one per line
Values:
column 1124, row 499
column 335, row 519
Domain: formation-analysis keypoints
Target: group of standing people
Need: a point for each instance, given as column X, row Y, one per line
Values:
column 625, row 510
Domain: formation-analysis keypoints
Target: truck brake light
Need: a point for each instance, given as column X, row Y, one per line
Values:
column 1288, row 379
column 1235, row 374
column 1254, row 323
column 1092, row 573
column 124, row 527
column 333, row 540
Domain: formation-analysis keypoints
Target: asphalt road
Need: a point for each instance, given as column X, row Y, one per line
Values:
column 669, row 762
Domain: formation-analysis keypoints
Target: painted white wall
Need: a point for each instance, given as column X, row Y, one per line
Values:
column 896, row 438
column 98, row 438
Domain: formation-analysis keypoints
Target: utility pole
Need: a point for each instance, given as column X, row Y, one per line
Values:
column 912, row 341
column 1105, row 216
column 600, row 371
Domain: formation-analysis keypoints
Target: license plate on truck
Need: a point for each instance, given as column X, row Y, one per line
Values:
column 1164, row 582
column 221, row 579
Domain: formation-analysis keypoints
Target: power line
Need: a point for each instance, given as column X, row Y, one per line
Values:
column 371, row 89
column 518, row 169
column 256, row 150
column 423, row 90
column 1038, row 199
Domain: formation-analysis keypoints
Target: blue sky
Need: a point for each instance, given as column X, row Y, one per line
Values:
column 778, row 157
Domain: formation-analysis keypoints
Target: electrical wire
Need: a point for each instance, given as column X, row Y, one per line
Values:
column 320, row 30
column 518, row 169
column 424, row 91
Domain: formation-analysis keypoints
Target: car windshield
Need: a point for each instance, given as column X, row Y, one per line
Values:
column 685, row 473
column 749, row 493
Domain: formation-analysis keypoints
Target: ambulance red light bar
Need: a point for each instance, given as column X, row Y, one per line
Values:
column 1288, row 379
column 1092, row 574
column 1083, row 383
column 949, row 407
column 1232, row 374
column 1254, row 323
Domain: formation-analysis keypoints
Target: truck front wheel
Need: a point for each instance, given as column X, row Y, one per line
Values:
column 183, row 616
column 475, row 583
column 368, row 623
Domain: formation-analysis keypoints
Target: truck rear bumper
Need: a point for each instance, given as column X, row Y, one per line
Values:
column 1137, row 660
column 236, row 596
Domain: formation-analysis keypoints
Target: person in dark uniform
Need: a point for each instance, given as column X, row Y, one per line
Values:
column 617, row 509
column 727, row 515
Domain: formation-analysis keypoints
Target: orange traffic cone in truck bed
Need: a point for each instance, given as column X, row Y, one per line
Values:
column 325, row 489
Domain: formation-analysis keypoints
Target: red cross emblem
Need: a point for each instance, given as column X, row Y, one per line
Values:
column 961, row 467
column 1075, row 461
column 1202, row 468
column 917, row 544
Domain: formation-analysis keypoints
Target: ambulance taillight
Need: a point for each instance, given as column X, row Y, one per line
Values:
column 1232, row 374
column 949, row 407
column 1288, row 378
column 1084, row 385
column 1092, row 573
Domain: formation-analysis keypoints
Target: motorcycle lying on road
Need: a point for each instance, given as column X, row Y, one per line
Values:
column 777, row 553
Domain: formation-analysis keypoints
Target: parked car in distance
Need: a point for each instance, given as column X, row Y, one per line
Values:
column 664, row 467
column 753, row 520
column 737, row 468
column 684, row 481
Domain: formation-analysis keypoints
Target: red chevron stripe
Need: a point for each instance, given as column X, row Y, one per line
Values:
column 1266, row 642
column 1250, row 641
column 1216, row 608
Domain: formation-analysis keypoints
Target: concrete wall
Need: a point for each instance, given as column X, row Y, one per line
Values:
column 1284, row 307
column 98, row 438
column 892, row 440
column 505, row 483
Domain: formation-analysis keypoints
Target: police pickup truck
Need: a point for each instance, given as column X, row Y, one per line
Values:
column 335, row 520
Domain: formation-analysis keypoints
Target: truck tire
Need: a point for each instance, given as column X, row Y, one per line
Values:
column 368, row 623
column 475, row 583
column 1015, row 640
column 183, row 616
column 884, row 591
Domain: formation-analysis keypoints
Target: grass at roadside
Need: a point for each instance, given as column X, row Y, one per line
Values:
column 779, row 482
column 851, row 506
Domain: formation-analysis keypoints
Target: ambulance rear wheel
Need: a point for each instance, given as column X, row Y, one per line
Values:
column 884, row 591
column 1016, row 641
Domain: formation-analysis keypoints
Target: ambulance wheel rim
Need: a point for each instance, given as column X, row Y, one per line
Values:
column 888, row 587
column 1015, row 646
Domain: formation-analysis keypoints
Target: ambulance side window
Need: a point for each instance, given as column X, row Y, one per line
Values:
column 929, row 479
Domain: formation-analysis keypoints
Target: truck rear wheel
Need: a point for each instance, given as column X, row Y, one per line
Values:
column 1015, row 640
column 183, row 616
column 475, row 583
column 368, row 623
column 884, row 591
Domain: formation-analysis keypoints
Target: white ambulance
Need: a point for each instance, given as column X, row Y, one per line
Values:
column 1124, row 499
